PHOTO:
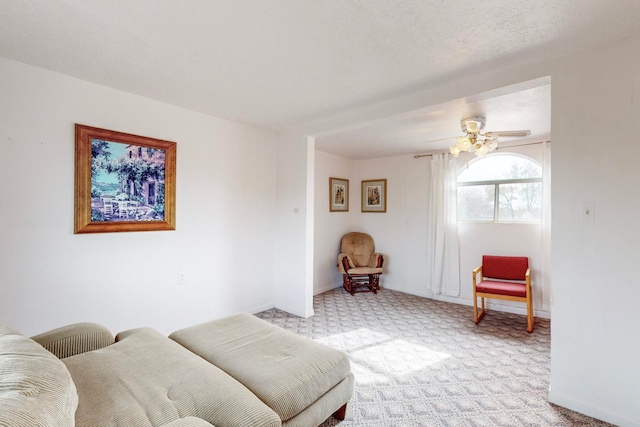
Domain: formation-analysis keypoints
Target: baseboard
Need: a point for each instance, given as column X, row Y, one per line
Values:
column 489, row 304
column 591, row 410
column 260, row 308
column 326, row 288
column 295, row 312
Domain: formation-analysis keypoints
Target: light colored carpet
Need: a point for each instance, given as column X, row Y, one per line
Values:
column 420, row 362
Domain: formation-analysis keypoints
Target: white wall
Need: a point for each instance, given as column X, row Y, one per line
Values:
column 225, row 208
column 595, row 349
column 294, row 219
column 330, row 226
column 401, row 232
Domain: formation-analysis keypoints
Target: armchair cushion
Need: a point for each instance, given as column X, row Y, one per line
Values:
column 365, row 270
column 502, row 288
column 359, row 246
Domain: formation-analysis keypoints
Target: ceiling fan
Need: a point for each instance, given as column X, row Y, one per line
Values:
column 475, row 141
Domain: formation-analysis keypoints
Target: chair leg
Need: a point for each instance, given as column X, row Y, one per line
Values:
column 475, row 308
column 530, row 318
column 347, row 283
column 350, row 285
column 477, row 315
column 374, row 282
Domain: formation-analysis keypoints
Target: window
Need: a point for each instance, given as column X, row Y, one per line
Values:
column 500, row 188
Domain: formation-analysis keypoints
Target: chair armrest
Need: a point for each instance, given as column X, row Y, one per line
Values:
column 373, row 260
column 75, row 339
column 340, row 266
column 475, row 272
column 527, row 278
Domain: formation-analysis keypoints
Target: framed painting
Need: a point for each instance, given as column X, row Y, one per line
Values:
column 338, row 195
column 123, row 182
column 374, row 195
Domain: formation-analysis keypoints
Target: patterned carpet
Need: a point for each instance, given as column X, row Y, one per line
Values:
column 420, row 362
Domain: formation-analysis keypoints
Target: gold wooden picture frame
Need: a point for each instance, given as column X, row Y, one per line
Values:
column 123, row 182
column 338, row 195
column 374, row 195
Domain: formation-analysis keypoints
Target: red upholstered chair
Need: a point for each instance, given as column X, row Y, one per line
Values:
column 503, row 277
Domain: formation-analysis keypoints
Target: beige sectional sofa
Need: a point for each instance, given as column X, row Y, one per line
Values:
column 237, row 371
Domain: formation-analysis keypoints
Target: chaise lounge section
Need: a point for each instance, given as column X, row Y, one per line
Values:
column 143, row 378
column 302, row 381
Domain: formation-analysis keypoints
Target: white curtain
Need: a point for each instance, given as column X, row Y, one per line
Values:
column 545, row 267
column 443, row 255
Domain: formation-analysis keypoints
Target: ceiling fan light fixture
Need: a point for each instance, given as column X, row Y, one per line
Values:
column 482, row 150
column 473, row 125
column 463, row 143
column 474, row 141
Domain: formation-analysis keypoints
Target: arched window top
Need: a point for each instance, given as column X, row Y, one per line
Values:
column 499, row 167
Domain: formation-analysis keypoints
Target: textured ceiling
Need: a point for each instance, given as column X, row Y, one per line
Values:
column 526, row 106
column 276, row 63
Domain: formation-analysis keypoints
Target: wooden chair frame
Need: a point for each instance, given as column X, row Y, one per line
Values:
column 477, row 317
column 353, row 283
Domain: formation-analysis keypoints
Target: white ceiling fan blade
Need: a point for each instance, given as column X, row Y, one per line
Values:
column 441, row 139
column 509, row 133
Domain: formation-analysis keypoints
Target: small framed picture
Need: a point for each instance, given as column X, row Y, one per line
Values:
column 374, row 195
column 338, row 195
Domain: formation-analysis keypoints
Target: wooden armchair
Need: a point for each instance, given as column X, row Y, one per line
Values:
column 497, row 276
column 359, row 263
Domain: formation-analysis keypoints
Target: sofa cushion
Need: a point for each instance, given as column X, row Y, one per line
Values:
column 74, row 339
column 188, row 422
column 146, row 379
column 286, row 371
column 35, row 386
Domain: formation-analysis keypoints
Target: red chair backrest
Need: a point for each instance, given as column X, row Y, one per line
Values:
column 505, row 267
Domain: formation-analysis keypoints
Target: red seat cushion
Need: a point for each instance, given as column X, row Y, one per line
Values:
column 502, row 288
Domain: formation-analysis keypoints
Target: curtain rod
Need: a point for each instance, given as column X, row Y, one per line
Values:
column 508, row 146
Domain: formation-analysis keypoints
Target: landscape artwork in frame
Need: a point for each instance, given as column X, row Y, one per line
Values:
column 338, row 195
column 123, row 182
column 374, row 195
